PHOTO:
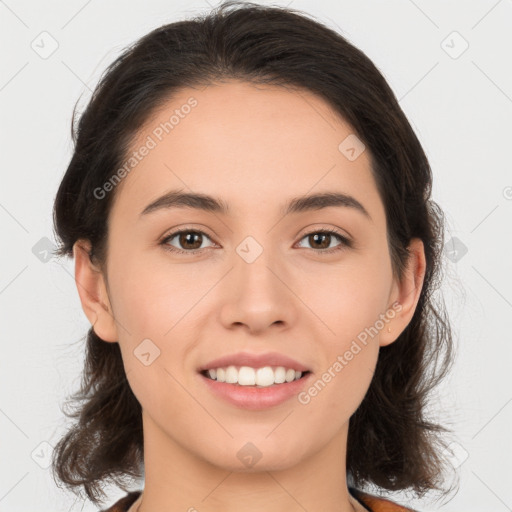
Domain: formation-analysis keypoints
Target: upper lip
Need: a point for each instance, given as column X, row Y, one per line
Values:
column 254, row 361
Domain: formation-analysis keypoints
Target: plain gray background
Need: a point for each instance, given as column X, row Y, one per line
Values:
column 449, row 64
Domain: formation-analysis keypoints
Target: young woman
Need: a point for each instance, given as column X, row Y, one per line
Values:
column 256, row 249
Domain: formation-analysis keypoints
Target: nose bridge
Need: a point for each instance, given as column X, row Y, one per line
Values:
column 255, row 249
column 255, row 260
column 258, row 251
column 257, row 296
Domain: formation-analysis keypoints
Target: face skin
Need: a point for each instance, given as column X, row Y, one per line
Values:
column 254, row 147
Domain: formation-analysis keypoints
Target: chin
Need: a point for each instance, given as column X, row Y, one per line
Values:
column 257, row 455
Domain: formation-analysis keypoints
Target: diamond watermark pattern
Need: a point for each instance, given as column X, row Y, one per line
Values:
column 456, row 454
column 249, row 249
column 45, row 45
column 146, row 352
column 454, row 45
column 455, row 249
column 249, row 455
column 351, row 147
column 43, row 250
column 42, row 454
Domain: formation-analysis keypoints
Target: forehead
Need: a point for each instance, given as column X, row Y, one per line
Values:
column 252, row 145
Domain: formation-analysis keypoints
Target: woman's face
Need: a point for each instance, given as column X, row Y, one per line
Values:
column 255, row 280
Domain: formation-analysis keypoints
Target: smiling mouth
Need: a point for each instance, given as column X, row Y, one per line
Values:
column 298, row 376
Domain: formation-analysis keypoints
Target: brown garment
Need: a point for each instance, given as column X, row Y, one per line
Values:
column 371, row 502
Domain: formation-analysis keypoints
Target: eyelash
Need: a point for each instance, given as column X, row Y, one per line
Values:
column 345, row 242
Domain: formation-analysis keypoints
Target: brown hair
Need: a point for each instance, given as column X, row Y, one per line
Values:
column 390, row 443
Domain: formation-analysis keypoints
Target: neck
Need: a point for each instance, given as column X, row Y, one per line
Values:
column 177, row 479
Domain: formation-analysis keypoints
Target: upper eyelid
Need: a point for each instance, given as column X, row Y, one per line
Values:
column 172, row 233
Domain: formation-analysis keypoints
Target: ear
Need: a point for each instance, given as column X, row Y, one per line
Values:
column 404, row 295
column 93, row 294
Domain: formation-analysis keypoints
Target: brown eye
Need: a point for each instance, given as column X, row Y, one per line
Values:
column 320, row 241
column 188, row 241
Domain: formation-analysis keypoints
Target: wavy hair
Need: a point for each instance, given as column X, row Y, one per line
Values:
column 391, row 442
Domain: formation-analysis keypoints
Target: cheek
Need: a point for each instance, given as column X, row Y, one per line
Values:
column 151, row 306
column 150, row 299
column 351, row 302
column 349, row 298
column 340, row 385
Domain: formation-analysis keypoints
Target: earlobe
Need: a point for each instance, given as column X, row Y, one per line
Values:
column 93, row 294
column 405, row 294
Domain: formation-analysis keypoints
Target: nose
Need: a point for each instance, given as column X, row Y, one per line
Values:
column 256, row 295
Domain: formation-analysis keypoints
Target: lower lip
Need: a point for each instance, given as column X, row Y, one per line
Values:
column 254, row 398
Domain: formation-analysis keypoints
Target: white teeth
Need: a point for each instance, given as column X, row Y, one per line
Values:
column 247, row 376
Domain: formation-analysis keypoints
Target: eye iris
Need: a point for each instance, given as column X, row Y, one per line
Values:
column 324, row 235
column 186, row 236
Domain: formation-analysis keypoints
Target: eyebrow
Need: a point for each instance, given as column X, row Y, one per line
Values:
column 179, row 199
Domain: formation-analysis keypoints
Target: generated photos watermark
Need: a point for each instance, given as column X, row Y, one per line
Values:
column 304, row 397
column 151, row 142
